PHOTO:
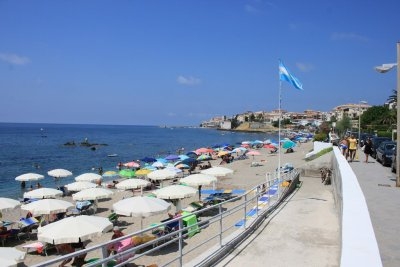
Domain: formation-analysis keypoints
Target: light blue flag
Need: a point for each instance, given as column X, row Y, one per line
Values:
column 285, row 75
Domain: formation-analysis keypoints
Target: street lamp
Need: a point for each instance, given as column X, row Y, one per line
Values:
column 359, row 121
column 383, row 69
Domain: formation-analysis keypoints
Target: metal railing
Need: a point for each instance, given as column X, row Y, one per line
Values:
column 223, row 224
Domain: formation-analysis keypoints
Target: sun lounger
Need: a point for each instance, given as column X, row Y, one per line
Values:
column 194, row 206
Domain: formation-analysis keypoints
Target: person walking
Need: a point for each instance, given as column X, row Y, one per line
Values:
column 352, row 147
column 367, row 149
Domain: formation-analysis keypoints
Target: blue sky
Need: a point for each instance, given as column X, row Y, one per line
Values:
column 182, row 62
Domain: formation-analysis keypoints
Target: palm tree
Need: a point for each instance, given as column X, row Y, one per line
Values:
column 393, row 98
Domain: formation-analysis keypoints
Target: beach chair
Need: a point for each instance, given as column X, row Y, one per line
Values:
column 27, row 227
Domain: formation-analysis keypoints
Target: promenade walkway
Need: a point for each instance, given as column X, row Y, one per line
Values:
column 304, row 231
column 378, row 184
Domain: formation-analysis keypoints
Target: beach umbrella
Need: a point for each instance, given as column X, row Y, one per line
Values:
column 286, row 144
column 158, row 164
column 204, row 157
column 27, row 177
column 8, row 203
column 148, row 159
column 47, row 206
column 182, row 166
column 183, row 157
column 10, row 256
column 88, row 177
column 172, row 157
column 132, row 184
column 217, row 171
column 143, row 172
column 110, row 174
column 127, row 173
column 161, row 174
column 175, row 192
column 142, row 207
column 132, row 164
column 79, row 186
column 43, row 192
column 192, row 154
column 222, row 153
column 203, row 150
column 198, row 179
column 59, row 173
column 92, row 194
column 74, row 229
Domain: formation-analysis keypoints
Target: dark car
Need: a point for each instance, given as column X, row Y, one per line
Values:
column 385, row 152
column 394, row 163
column 364, row 137
column 376, row 141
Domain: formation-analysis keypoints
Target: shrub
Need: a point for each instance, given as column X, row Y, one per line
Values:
column 320, row 137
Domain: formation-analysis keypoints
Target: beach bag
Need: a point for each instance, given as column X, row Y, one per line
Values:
column 363, row 148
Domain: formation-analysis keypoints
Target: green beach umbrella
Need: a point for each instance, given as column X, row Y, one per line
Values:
column 127, row 173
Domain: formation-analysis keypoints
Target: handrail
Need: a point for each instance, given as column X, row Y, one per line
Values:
column 228, row 214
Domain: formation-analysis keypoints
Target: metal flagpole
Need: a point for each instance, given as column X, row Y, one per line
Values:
column 279, row 129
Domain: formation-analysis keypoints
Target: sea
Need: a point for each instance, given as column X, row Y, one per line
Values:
column 38, row 148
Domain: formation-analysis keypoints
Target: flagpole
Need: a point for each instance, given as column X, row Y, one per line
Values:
column 279, row 129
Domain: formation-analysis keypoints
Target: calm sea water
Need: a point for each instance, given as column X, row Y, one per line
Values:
column 40, row 147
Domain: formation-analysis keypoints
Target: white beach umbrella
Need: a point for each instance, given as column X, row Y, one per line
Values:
column 132, row 184
column 11, row 256
column 29, row 177
column 141, row 207
column 92, row 194
column 198, row 179
column 74, row 229
column 79, row 186
column 47, row 206
column 43, row 192
column 8, row 203
column 59, row 173
column 217, row 171
column 88, row 177
column 162, row 174
column 176, row 192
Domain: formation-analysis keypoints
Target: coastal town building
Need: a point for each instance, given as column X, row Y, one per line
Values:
column 260, row 119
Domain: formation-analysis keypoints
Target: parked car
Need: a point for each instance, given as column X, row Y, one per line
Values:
column 385, row 152
column 376, row 141
column 364, row 137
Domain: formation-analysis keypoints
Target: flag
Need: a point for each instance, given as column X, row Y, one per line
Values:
column 285, row 75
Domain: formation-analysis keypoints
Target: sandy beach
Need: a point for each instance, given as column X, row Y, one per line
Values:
column 244, row 177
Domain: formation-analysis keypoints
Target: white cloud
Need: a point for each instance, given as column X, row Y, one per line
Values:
column 337, row 36
column 190, row 80
column 14, row 59
column 304, row 67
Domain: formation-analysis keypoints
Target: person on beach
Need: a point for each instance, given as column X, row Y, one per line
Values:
column 352, row 147
column 78, row 260
column 65, row 249
column 23, row 184
column 367, row 149
column 38, row 185
column 116, row 234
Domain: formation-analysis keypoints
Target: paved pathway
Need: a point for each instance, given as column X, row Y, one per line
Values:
column 304, row 231
column 378, row 184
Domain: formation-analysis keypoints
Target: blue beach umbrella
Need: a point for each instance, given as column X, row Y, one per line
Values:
column 148, row 159
column 288, row 144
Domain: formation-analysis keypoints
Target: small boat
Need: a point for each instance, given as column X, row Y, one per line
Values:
column 112, row 155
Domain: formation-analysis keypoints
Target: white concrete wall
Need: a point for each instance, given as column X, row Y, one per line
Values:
column 359, row 245
column 318, row 146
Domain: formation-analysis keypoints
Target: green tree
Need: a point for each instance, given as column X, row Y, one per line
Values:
column 393, row 98
column 343, row 125
column 374, row 115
